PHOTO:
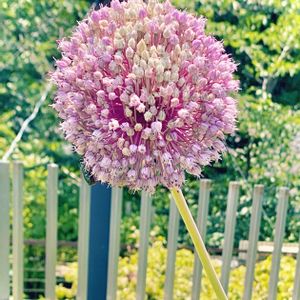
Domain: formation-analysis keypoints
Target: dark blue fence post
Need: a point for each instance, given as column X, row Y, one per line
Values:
column 98, row 242
column 99, row 231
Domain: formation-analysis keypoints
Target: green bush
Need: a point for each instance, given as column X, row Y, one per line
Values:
column 183, row 277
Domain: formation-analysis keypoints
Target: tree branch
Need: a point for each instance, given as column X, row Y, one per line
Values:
column 26, row 123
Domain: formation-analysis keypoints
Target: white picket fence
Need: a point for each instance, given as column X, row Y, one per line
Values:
column 116, row 211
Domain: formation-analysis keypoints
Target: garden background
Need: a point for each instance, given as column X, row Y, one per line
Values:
column 262, row 36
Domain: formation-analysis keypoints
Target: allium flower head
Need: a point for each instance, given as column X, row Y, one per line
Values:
column 144, row 94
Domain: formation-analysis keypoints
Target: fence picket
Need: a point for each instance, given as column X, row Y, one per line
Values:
column 114, row 242
column 145, row 220
column 203, row 202
column 296, row 288
column 4, row 230
column 232, row 203
column 51, row 232
column 172, row 247
column 282, row 206
column 253, row 239
column 18, row 236
column 83, row 238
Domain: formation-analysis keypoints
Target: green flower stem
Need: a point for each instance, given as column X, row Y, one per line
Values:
column 198, row 242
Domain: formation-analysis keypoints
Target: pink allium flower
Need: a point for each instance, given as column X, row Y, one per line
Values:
column 144, row 94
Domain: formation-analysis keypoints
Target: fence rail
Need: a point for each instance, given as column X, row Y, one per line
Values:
column 51, row 242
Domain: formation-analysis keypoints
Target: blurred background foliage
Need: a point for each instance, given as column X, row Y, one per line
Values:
column 262, row 36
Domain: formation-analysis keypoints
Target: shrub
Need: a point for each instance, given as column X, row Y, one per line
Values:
column 183, row 277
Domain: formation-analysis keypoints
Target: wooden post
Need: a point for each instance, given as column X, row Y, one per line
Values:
column 253, row 239
column 51, row 232
column 99, row 241
column 145, row 220
column 172, row 247
column 83, row 239
column 100, row 207
column 203, row 203
column 18, row 236
column 114, row 242
column 4, row 230
column 232, row 203
column 283, row 195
